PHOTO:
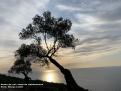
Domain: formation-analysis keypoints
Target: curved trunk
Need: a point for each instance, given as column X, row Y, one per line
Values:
column 71, row 83
column 56, row 64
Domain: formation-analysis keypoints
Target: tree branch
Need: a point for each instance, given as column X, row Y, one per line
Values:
column 45, row 39
column 53, row 47
column 37, row 39
column 55, row 50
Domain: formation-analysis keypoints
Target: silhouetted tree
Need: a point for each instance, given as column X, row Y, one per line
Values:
column 21, row 65
column 50, row 34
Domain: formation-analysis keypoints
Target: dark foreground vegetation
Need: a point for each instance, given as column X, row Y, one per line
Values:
column 8, row 83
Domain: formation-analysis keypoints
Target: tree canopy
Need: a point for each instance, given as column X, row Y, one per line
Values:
column 43, row 29
column 21, row 66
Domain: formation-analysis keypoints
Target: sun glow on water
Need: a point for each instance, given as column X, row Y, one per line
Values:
column 51, row 76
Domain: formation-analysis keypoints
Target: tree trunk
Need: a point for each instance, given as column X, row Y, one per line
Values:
column 71, row 83
column 26, row 78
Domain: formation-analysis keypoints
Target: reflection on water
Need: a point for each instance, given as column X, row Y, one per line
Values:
column 51, row 76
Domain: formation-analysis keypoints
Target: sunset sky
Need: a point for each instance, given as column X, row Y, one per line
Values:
column 96, row 23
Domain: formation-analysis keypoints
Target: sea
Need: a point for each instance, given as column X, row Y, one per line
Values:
column 94, row 79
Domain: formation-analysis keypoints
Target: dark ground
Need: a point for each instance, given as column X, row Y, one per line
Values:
column 8, row 83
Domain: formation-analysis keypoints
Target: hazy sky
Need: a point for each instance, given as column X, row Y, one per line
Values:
column 96, row 23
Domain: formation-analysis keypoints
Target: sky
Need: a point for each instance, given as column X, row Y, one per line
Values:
column 96, row 23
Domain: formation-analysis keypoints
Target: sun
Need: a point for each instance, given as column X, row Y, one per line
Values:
column 50, row 77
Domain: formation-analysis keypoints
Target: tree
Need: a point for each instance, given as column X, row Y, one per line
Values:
column 21, row 65
column 45, row 29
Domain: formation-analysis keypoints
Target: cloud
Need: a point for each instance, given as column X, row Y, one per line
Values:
column 96, row 23
column 69, row 8
column 102, row 25
column 15, row 15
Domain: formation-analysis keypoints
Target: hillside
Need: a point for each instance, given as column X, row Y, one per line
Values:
column 16, row 84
